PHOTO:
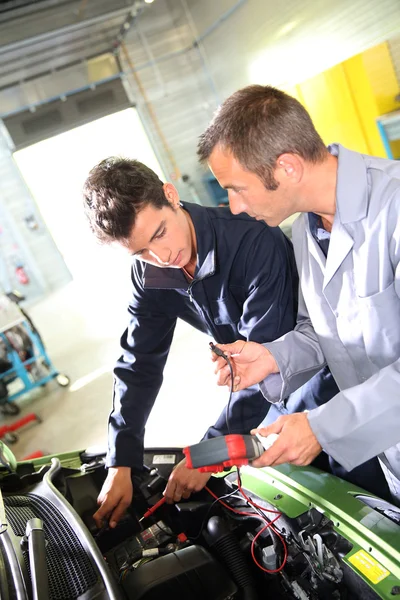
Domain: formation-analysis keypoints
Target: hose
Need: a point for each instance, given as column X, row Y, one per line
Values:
column 226, row 545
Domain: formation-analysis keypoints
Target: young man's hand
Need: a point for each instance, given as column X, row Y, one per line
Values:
column 251, row 363
column 296, row 443
column 183, row 481
column 115, row 496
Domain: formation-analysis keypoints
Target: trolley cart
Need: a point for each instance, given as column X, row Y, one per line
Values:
column 26, row 355
column 7, row 432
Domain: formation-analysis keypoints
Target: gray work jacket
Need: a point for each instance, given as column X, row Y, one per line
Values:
column 349, row 317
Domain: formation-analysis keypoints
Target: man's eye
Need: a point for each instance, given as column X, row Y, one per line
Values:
column 161, row 234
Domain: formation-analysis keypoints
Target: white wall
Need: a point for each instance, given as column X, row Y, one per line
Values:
column 35, row 248
column 286, row 43
column 55, row 171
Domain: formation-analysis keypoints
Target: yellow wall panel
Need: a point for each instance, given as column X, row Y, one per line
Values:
column 364, row 99
column 380, row 71
column 345, row 101
column 330, row 103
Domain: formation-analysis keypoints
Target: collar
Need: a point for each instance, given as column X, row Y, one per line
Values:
column 352, row 184
column 316, row 227
column 156, row 277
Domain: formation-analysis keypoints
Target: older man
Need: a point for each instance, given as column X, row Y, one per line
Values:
column 263, row 148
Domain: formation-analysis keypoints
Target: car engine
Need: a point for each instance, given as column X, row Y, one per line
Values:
column 261, row 533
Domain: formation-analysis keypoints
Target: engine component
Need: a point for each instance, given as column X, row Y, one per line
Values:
column 282, row 533
column 125, row 555
column 227, row 547
column 269, row 558
column 188, row 573
column 322, row 561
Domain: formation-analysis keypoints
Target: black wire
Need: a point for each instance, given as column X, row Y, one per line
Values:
column 257, row 514
column 260, row 511
column 239, row 478
column 235, row 492
column 230, row 396
column 219, row 352
column 249, row 503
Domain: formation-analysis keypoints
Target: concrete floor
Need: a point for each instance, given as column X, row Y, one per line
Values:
column 81, row 337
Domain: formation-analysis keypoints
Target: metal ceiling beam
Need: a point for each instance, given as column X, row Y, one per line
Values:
column 49, row 71
column 62, row 96
column 104, row 36
column 45, row 67
column 67, row 29
column 15, row 5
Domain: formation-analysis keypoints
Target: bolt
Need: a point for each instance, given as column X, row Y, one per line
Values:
column 278, row 497
column 395, row 591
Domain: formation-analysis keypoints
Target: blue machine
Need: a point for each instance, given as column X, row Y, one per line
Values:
column 24, row 356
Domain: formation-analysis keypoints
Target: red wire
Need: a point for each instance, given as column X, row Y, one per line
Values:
column 283, row 543
column 269, row 524
column 238, row 512
column 277, row 512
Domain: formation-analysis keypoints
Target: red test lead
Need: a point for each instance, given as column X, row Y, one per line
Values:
column 153, row 509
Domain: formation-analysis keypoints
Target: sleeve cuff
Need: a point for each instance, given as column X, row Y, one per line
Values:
column 271, row 387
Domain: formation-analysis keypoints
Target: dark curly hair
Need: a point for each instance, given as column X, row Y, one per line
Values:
column 116, row 190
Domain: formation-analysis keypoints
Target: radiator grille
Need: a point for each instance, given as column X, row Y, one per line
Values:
column 70, row 570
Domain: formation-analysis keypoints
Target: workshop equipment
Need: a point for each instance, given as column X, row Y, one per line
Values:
column 33, row 455
column 223, row 452
column 25, row 360
column 8, row 431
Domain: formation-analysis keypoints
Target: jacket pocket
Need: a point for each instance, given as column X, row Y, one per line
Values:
column 380, row 322
column 225, row 311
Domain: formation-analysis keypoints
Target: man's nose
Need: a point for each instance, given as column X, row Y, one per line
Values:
column 161, row 256
column 236, row 204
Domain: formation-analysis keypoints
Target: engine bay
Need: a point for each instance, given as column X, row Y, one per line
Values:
column 260, row 533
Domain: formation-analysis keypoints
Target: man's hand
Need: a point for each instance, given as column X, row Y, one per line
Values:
column 296, row 443
column 251, row 363
column 115, row 496
column 183, row 481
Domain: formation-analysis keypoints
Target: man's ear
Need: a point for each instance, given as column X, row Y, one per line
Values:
column 171, row 194
column 289, row 167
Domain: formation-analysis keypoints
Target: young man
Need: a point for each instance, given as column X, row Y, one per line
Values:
column 263, row 148
column 226, row 275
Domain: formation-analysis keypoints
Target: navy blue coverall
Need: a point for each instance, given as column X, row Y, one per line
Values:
column 244, row 287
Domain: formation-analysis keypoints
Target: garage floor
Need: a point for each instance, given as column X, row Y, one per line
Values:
column 82, row 338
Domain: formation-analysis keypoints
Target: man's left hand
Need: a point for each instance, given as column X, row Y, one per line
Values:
column 183, row 481
column 296, row 443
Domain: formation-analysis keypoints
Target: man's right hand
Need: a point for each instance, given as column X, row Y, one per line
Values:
column 251, row 363
column 115, row 496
